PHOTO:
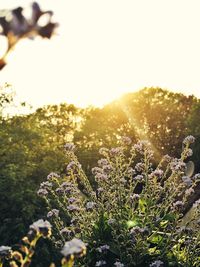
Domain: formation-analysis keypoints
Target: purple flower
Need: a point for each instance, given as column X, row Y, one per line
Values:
column 139, row 167
column 73, row 208
column 90, row 205
column 177, row 165
column 52, row 176
column 158, row 173
column 139, row 178
column 74, row 247
column 103, row 248
column 42, row 192
column 102, row 162
column 41, row 227
column 134, row 197
column 69, row 147
column 178, row 205
column 96, row 170
column 117, row 151
column 186, row 180
column 189, row 140
column 101, row 177
column 53, row 212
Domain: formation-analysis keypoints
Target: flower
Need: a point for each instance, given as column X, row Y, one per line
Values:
column 102, row 162
column 117, row 151
column 103, row 248
column 100, row 263
column 5, row 252
column 90, row 205
column 189, row 140
column 186, row 180
column 178, row 204
column 156, row 263
column 41, row 227
column 101, row 176
column 53, row 212
column 74, row 247
column 69, row 147
column 73, row 208
column 139, row 167
column 42, row 192
column 177, row 165
column 52, row 176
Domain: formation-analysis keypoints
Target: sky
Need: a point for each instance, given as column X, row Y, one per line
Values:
column 105, row 48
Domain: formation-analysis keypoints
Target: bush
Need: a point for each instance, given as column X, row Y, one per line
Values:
column 133, row 215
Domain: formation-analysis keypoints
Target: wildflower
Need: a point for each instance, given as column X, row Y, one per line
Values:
column 177, row 165
column 196, row 203
column 117, row 151
column 134, row 197
column 189, row 191
column 167, row 158
column 100, row 263
column 158, row 173
column 189, row 153
column 137, row 230
column 75, row 247
column 71, row 200
column 65, row 231
column 73, row 208
column 139, row 178
column 102, row 162
column 41, row 227
column 118, row 264
column 59, row 190
column 42, row 192
column 103, row 248
column 139, row 167
column 96, row 170
column 53, row 212
column 186, row 180
column 101, row 177
column 5, row 252
column 71, row 165
column 189, row 140
column 107, row 168
column 52, row 176
column 156, row 263
column 196, row 177
column 90, row 205
column 69, row 147
column 130, row 171
column 46, row 185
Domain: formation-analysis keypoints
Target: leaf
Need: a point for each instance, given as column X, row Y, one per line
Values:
column 155, row 238
column 142, row 205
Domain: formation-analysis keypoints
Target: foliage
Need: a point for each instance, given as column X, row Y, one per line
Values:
column 133, row 215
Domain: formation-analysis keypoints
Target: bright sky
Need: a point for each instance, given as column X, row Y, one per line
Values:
column 105, row 48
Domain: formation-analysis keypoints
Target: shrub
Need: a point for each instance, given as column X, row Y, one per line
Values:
column 134, row 214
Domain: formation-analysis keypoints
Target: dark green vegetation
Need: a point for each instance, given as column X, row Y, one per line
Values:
column 32, row 145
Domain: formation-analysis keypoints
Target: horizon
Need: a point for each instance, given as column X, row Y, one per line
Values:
column 93, row 59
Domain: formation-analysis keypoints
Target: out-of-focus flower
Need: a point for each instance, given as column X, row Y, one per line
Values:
column 69, row 147
column 75, row 247
column 52, row 176
column 126, row 140
column 187, row 180
column 90, row 205
column 5, row 252
column 41, row 227
column 42, row 192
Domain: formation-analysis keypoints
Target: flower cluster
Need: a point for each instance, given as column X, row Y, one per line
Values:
column 133, row 213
